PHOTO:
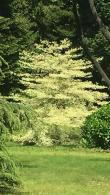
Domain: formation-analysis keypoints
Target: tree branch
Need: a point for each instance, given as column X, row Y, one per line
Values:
column 103, row 27
column 84, row 43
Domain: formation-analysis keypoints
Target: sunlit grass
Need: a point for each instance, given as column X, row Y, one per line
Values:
column 62, row 171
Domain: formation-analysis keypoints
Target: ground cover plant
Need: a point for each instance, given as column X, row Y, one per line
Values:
column 60, row 170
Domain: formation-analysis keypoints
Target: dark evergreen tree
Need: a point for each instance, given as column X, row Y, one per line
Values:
column 54, row 19
column 15, row 34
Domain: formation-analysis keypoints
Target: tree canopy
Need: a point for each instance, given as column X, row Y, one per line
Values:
column 25, row 22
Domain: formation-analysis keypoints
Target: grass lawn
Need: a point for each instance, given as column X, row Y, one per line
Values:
column 62, row 171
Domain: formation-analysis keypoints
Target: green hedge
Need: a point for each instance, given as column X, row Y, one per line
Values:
column 96, row 129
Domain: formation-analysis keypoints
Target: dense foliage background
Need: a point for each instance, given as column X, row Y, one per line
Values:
column 41, row 51
column 24, row 22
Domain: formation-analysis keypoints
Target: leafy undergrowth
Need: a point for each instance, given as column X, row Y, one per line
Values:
column 60, row 90
column 62, row 170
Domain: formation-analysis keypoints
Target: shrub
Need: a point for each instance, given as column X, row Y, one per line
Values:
column 96, row 129
column 9, row 181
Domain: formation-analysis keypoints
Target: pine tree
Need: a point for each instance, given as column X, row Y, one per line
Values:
column 15, row 34
column 54, row 19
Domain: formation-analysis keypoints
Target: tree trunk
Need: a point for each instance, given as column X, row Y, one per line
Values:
column 94, row 61
column 102, row 26
column 84, row 43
